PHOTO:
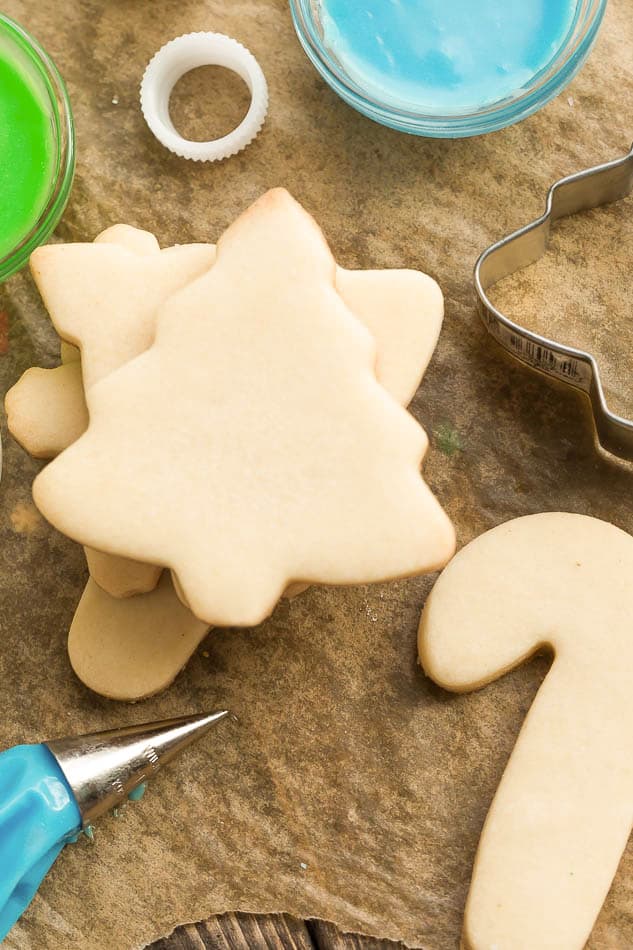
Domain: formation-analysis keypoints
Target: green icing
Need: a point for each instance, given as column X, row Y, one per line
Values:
column 27, row 153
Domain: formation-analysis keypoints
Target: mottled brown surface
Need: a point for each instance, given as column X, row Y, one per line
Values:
column 581, row 294
column 344, row 757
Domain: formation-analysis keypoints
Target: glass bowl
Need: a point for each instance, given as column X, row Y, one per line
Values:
column 311, row 24
column 24, row 52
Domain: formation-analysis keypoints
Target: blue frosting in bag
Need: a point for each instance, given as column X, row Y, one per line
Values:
column 38, row 816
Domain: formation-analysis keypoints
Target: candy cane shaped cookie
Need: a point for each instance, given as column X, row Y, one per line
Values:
column 563, row 812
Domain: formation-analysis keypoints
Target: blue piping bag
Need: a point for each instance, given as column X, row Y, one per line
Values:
column 51, row 792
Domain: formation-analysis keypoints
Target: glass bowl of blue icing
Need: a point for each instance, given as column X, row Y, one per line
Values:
column 447, row 68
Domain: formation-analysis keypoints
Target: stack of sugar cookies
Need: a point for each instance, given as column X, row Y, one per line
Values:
column 227, row 426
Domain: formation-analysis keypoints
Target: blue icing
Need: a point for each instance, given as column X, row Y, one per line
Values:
column 137, row 793
column 445, row 56
column 38, row 816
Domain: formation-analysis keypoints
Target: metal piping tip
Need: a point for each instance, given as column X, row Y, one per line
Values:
column 104, row 767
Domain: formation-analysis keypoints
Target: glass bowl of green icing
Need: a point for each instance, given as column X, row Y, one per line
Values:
column 37, row 146
column 447, row 68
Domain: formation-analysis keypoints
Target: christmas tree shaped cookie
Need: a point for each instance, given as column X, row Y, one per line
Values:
column 46, row 409
column 252, row 445
column 402, row 309
column 103, row 296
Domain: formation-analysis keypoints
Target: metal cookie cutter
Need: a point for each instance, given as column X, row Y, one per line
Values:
column 581, row 192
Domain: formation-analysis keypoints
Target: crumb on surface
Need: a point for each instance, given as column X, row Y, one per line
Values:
column 25, row 518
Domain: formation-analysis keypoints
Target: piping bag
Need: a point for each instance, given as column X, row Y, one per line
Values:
column 51, row 792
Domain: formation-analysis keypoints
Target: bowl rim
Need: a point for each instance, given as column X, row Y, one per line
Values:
column 64, row 171
column 544, row 85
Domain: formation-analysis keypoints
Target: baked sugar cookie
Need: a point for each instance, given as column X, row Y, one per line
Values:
column 46, row 409
column 46, row 412
column 130, row 649
column 402, row 309
column 287, row 458
column 119, row 315
column 121, row 576
column 134, row 239
column 563, row 812
column 103, row 296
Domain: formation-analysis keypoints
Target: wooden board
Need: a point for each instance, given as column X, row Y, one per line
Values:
column 270, row 932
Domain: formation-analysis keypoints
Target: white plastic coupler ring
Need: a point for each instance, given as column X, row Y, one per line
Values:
column 179, row 57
